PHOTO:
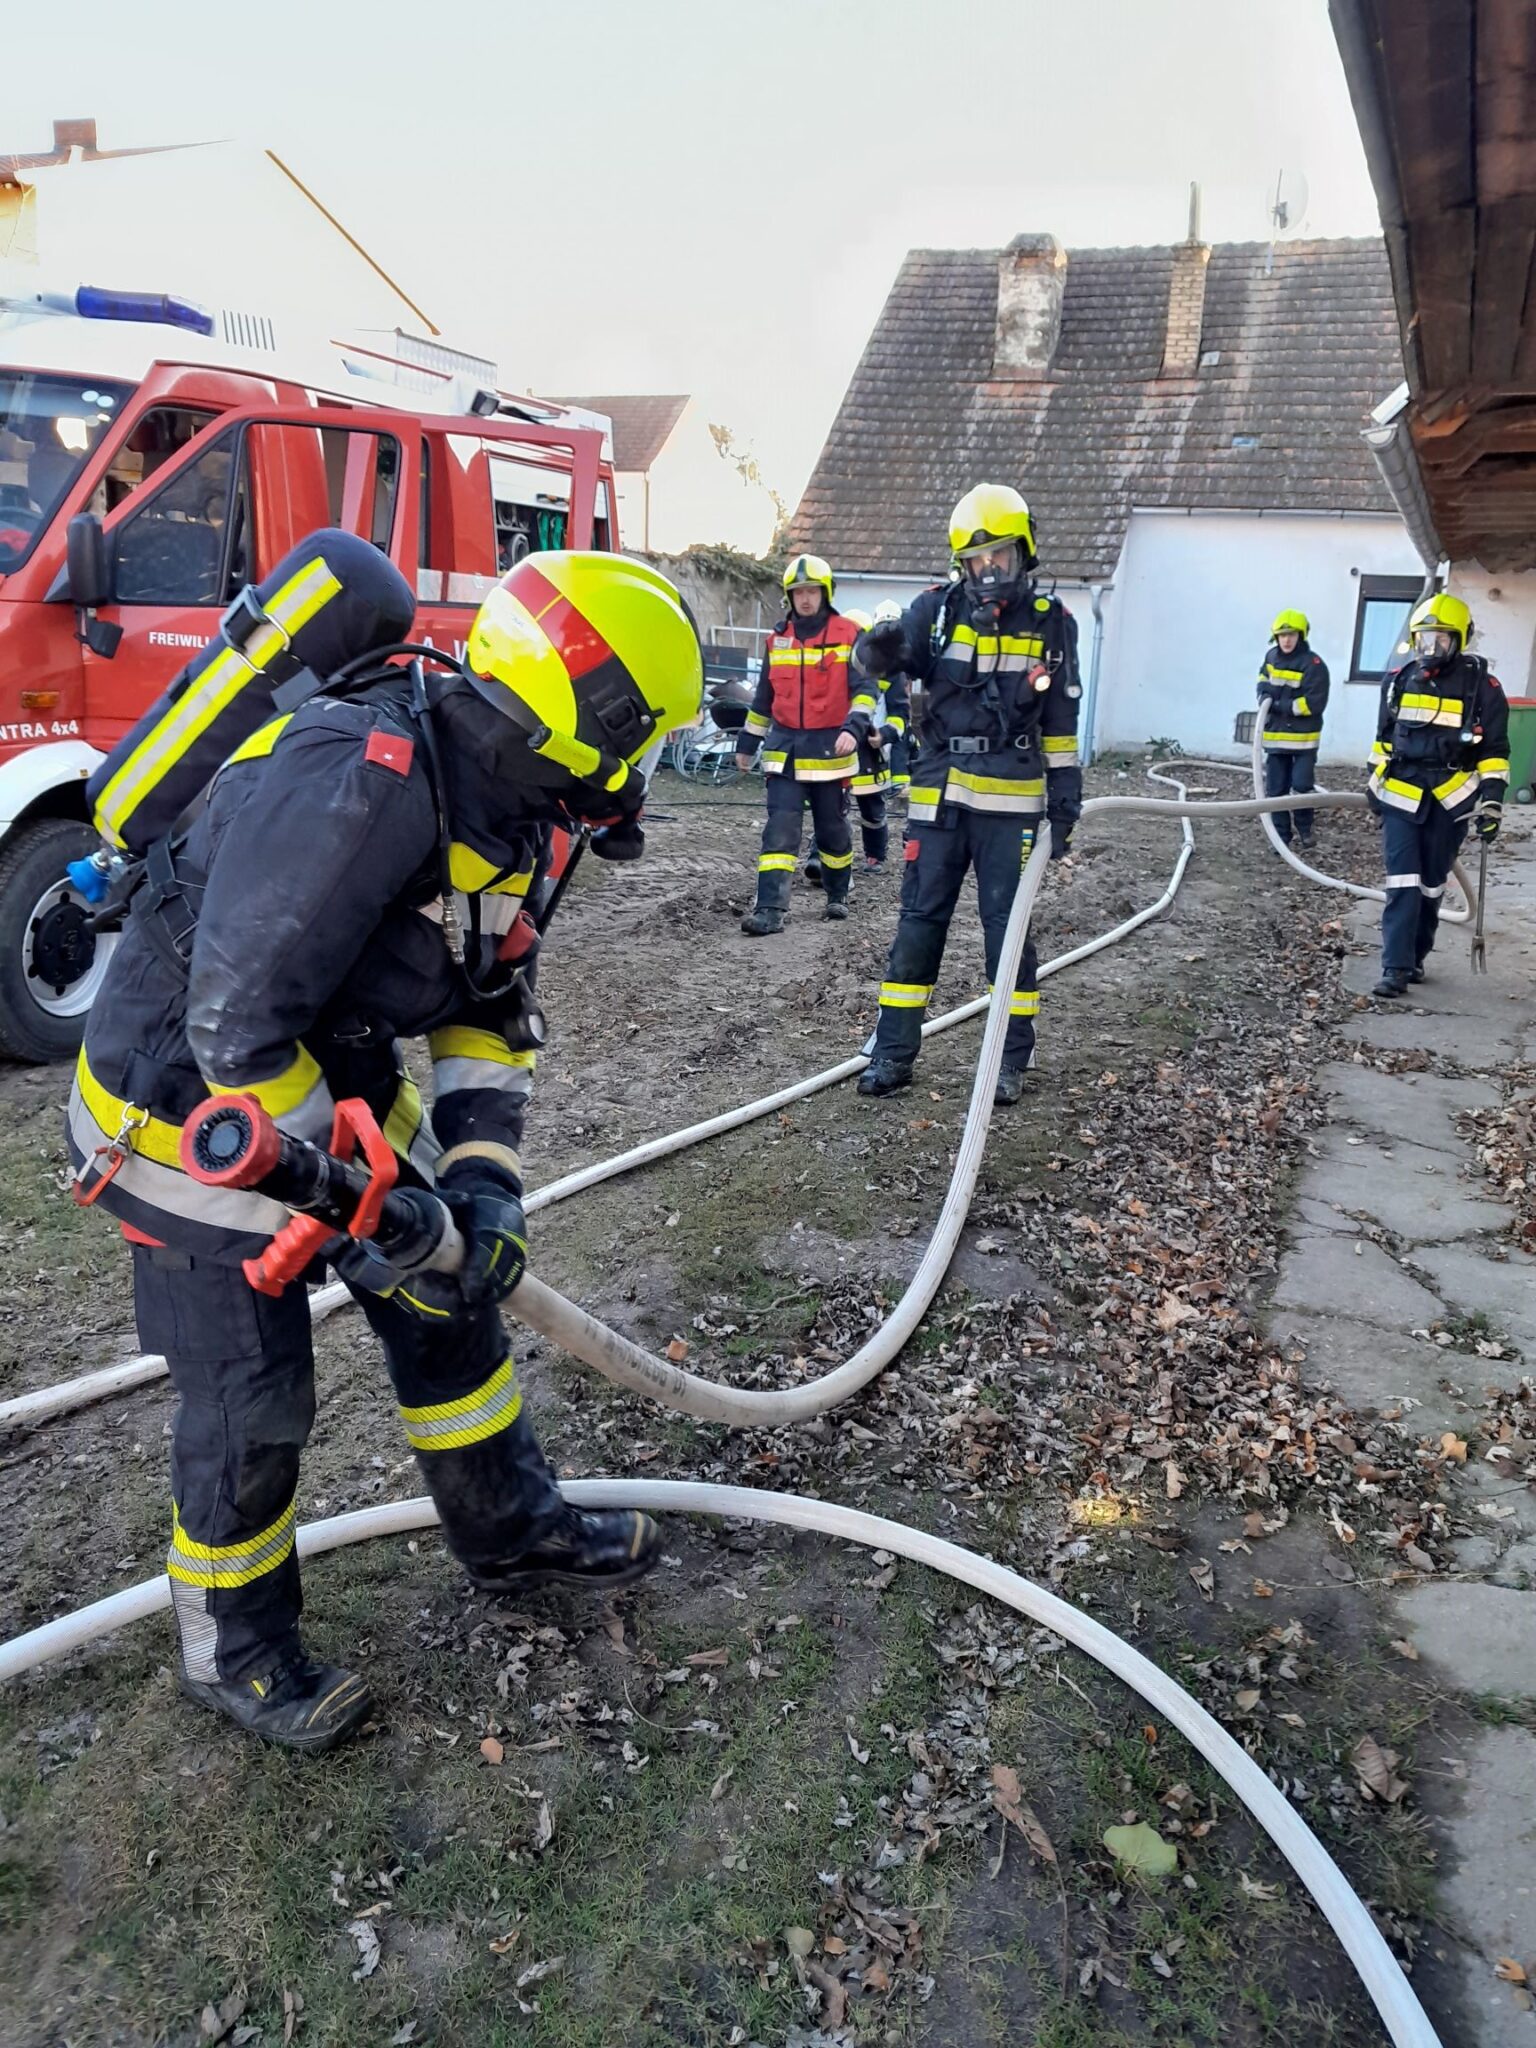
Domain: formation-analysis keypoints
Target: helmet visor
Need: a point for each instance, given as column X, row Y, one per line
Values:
column 1434, row 643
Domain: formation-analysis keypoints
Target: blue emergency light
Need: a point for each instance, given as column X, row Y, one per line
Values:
column 93, row 302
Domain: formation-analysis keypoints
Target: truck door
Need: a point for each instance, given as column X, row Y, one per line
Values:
column 227, row 512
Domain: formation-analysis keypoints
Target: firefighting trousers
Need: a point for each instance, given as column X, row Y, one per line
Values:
column 874, row 832
column 782, row 831
column 243, row 1369
column 938, row 857
column 1284, row 773
column 1419, row 851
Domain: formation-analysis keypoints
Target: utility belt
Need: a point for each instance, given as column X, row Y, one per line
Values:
column 980, row 743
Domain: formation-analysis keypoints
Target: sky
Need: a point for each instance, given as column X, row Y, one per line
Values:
column 713, row 196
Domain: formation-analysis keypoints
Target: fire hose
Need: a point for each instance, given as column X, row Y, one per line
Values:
column 632, row 1366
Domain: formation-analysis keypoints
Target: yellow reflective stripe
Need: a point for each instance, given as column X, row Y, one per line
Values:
column 1284, row 675
column 215, row 1566
column 995, row 643
column 837, row 860
column 1303, row 707
column 923, row 796
column 997, row 785
column 618, row 778
column 798, row 657
column 774, row 863
column 862, row 702
column 1454, row 782
column 477, row 876
column 262, row 741
column 773, row 758
column 152, row 1137
column 1022, row 1003
column 285, row 1091
column 896, row 722
column 757, row 722
column 450, row 1425
column 905, row 995
column 1060, row 743
column 226, row 676
column 468, row 1042
column 1493, row 766
column 406, row 1115
column 1400, row 788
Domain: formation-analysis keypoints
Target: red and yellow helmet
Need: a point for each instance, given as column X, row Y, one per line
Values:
column 594, row 656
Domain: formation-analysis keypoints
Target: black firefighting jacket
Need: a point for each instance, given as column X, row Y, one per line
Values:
column 1296, row 685
column 1441, row 731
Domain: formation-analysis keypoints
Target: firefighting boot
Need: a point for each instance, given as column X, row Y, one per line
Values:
column 1393, row 982
column 836, row 908
column 1416, row 974
column 813, row 870
column 885, row 1076
column 299, row 1703
column 1012, row 1082
column 600, row 1550
column 760, row 921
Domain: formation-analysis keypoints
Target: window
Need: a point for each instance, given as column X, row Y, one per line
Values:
column 188, row 544
column 1381, row 624
column 362, row 472
column 49, row 427
column 156, row 436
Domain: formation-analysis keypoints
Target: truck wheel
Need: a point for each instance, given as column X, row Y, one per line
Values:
column 51, row 964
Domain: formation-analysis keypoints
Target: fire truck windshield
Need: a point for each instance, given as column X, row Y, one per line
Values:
column 48, row 428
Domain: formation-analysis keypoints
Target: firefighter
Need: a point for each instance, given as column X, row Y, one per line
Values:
column 997, row 663
column 884, row 717
column 803, row 716
column 358, row 875
column 1440, row 763
column 1295, row 681
column 898, row 710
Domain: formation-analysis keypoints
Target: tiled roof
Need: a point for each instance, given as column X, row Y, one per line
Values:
column 1305, row 351
column 641, row 424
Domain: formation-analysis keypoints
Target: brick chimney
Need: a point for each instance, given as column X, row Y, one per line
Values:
column 1031, row 277
column 1186, row 309
column 68, row 135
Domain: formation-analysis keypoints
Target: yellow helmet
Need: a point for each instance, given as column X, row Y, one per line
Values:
column 989, row 513
column 810, row 569
column 861, row 619
column 1290, row 622
column 593, row 655
column 1443, row 613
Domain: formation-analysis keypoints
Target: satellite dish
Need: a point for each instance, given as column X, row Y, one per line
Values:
column 1286, row 205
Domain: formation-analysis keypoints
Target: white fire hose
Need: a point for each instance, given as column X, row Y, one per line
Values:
column 629, row 1364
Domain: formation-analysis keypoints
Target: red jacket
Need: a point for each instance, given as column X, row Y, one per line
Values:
column 804, row 684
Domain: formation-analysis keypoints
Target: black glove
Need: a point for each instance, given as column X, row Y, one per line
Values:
column 882, row 647
column 1061, row 835
column 889, row 736
column 1487, row 822
column 490, row 1220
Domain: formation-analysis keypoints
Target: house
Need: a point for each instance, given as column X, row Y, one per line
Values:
column 1186, row 424
column 679, row 482
column 196, row 221
column 1450, row 155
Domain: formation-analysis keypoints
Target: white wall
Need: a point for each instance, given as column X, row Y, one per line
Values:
column 1504, row 622
column 1187, row 622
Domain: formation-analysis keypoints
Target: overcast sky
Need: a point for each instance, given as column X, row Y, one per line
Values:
column 713, row 196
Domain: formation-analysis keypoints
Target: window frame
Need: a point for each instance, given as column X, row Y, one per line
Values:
column 1404, row 590
column 142, row 501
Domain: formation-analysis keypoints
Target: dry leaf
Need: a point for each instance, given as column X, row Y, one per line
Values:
column 709, row 1660
column 492, row 1750
column 1262, row 1590
column 1405, row 1649
column 799, row 1941
column 366, row 1935
column 1007, row 1800
column 1377, row 1770
column 718, row 1789
column 1173, row 1480
column 1171, row 1312
column 1248, row 1699
column 505, row 1942
column 537, row 1972
column 293, row 2006
column 1204, row 1577
column 835, row 2010
column 877, row 1977
column 1142, row 1849
column 1252, row 1889
column 1509, row 1970
column 677, row 1350
column 544, row 1829
column 1453, row 1446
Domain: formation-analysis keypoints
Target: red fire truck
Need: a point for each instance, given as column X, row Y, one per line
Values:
column 199, row 453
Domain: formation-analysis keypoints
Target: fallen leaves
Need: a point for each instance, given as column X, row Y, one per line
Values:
column 1509, row 1971
column 1204, row 1576
column 1007, row 1799
column 1376, row 1769
column 1141, row 1849
column 492, row 1750
column 366, row 1935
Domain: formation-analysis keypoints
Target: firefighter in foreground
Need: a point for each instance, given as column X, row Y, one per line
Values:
column 804, row 715
column 359, row 875
column 884, row 718
column 1295, row 680
column 997, row 663
column 1440, row 763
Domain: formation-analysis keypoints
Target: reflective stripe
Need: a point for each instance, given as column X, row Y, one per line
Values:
column 1398, row 796
column 905, row 995
column 449, row 1425
column 464, row 1057
column 795, row 657
column 757, row 721
column 1027, row 646
column 1291, row 742
column 1284, row 675
column 1403, row 882
column 862, row 702
column 1022, row 1003
column 216, row 1566
column 262, row 741
column 482, row 1148
column 225, row 677
column 1433, row 894
column 896, row 722
column 837, row 768
column 1023, row 795
column 837, row 860
column 870, row 785
column 1493, row 767
column 468, row 1041
column 297, row 1099
column 407, row 1132
column 1060, row 750
column 476, row 876
column 1302, row 707
column 151, row 1174
column 775, row 863
column 773, row 762
column 1457, row 789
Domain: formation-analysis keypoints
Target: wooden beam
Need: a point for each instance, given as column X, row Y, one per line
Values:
column 1506, row 245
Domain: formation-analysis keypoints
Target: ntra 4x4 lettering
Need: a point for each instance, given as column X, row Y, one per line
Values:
column 60, row 729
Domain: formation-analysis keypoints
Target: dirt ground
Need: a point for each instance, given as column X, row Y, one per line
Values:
column 785, row 1793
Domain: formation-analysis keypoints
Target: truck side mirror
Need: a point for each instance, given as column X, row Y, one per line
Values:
column 90, row 580
column 90, row 583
